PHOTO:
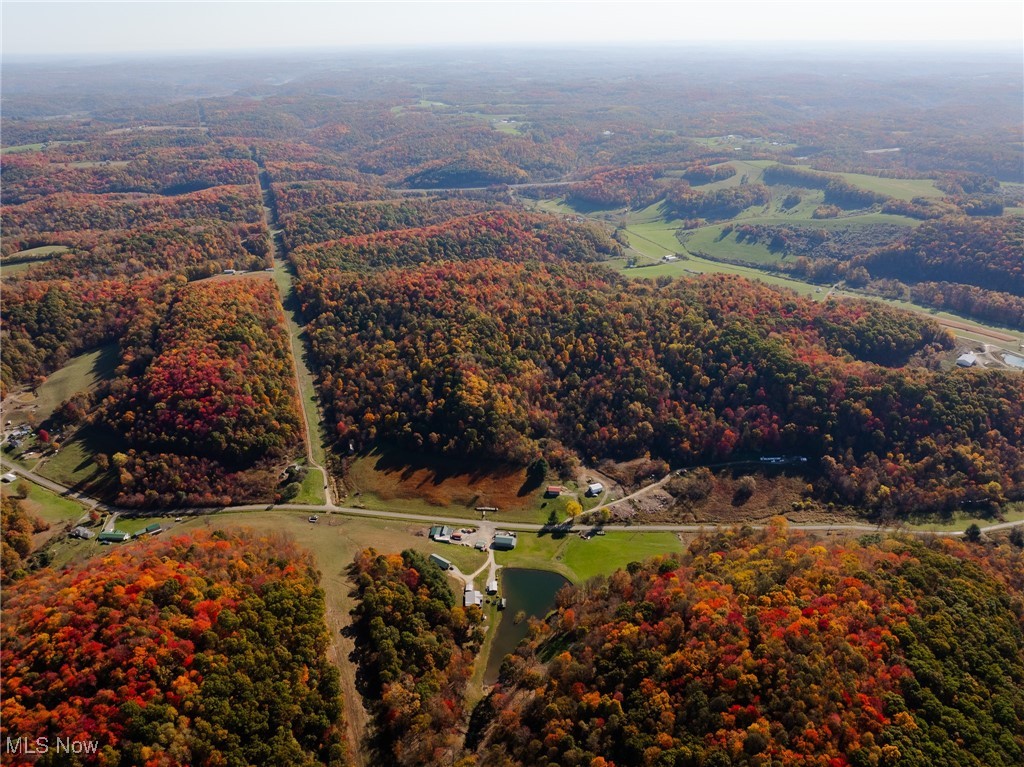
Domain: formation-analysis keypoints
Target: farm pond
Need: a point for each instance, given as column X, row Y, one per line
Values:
column 527, row 591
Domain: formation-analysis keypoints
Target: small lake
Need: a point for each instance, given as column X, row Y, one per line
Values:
column 533, row 592
column 1013, row 360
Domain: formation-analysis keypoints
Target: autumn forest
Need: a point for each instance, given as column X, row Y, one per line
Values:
column 244, row 298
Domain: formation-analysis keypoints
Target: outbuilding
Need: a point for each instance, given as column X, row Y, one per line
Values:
column 505, row 541
column 113, row 536
column 967, row 360
column 441, row 533
column 472, row 597
column 595, row 488
column 440, row 561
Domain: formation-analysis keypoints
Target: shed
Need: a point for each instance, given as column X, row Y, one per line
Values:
column 153, row 529
column 82, row 532
column 9, row 477
column 595, row 488
column 504, row 541
column 472, row 597
column 492, row 586
column 441, row 562
column 967, row 360
column 553, row 491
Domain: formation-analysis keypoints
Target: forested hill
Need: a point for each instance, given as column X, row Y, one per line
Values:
column 207, row 649
column 491, row 336
column 763, row 650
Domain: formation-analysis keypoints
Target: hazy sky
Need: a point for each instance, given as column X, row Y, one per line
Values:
column 89, row 26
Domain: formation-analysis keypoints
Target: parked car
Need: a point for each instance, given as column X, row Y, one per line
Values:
column 314, row 518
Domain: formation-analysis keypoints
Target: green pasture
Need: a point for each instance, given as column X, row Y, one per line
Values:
column 46, row 504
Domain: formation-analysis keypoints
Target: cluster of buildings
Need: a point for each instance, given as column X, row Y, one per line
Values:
column 115, row 536
column 503, row 540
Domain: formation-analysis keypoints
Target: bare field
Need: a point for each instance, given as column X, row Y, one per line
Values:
column 405, row 482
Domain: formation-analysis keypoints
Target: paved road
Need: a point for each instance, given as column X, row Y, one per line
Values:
column 532, row 185
column 462, row 521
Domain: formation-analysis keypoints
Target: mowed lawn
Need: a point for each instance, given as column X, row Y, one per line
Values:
column 578, row 559
column 46, row 504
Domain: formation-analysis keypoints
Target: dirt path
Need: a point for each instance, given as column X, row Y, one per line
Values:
column 337, row 584
column 299, row 369
column 357, row 720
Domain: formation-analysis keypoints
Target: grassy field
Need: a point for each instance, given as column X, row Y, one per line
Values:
column 74, row 465
column 136, row 524
column 11, row 270
column 23, row 260
column 307, row 388
column 709, row 240
column 1014, row 512
column 46, row 504
column 81, row 374
column 579, row 560
column 900, row 188
column 650, row 237
column 652, row 241
column 466, row 558
column 312, row 491
column 21, row 148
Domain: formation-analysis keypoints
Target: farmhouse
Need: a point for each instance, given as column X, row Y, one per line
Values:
column 472, row 597
column 82, row 532
column 492, row 586
column 505, row 541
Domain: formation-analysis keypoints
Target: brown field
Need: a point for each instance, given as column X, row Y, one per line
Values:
column 776, row 495
column 416, row 483
column 948, row 323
